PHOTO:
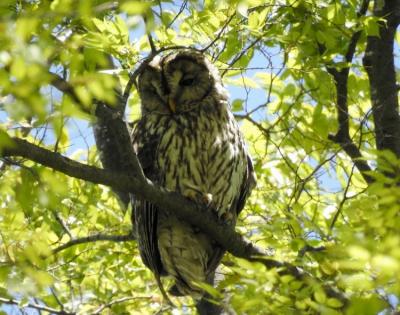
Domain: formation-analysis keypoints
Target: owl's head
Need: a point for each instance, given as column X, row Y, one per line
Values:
column 179, row 82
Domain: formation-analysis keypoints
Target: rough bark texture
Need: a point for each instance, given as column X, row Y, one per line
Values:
column 111, row 145
column 379, row 64
column 112, row 136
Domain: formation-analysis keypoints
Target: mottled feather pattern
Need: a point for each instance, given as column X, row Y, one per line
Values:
column 197, row 151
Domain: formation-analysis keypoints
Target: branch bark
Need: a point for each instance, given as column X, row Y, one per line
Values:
column 170, row 201
column 379, row 64
column 342, row 137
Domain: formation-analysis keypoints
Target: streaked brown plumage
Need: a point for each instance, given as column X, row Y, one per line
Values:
column 188, row 141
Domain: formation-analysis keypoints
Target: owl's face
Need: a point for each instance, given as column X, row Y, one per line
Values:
column 178, row 82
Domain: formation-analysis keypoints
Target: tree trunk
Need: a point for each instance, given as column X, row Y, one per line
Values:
column 379, row 64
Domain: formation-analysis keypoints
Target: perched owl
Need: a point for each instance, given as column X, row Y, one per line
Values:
column 187, row 141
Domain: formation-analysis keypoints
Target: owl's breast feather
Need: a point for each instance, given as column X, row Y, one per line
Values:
column 203, row 153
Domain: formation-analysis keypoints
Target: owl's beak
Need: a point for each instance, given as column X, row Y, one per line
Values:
column 172, row 104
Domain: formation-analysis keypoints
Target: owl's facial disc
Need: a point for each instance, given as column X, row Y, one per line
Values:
column 177, row 83
column 172, row 104
column 188, row 80
column 159, row 89
column 174, row 90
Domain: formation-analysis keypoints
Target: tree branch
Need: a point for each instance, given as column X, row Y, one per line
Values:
column 65, row 87
column 342, row 137
column 219, row 33
column 36, row 306
column 170, row 201
column 95, row 238
column 183, row 6
column 241, row 54
column 356, row 36
column 117, row 301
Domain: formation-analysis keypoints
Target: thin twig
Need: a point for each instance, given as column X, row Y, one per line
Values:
column 62, row 223
column 53, row 292
column 309, row 248
column 241, row 54
column 219, row 33
column 117, row 301
column 151, row 42
column 339, row 210
column 35, row 306
column 64, row 86
column 95, row 238
column 178, row 14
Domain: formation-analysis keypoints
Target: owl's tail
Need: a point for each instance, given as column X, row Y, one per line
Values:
column 162, row 290
column 185, row 254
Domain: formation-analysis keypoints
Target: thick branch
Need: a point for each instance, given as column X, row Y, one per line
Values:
column 143, row 189
column 170, row 201
column 95, row 238
column 114, row 144
column 342, row 137
column 379, row 63
column 354, row 39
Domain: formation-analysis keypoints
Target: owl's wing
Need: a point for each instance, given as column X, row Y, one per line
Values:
column 144, row 213
column 249, row 182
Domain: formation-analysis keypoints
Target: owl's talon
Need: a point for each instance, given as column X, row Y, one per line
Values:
column 207, row 199
column 199, row 197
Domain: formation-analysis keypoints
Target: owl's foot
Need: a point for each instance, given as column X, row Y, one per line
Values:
column 203, row 199
column 227, row 218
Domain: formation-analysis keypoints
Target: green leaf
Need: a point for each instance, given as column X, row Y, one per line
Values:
column 237, row 105
column 335, row 303
column 5, row 141
column 242, row 9
column 253, row 20
column 320, row 296
column 135, row 7
column 371, row 25
column 367, row 306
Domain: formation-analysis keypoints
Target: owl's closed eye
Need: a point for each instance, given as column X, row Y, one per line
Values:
column 177, row 83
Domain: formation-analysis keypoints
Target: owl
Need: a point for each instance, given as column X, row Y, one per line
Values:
column 187, row 141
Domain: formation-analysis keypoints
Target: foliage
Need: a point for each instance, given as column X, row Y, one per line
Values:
column 274, row 56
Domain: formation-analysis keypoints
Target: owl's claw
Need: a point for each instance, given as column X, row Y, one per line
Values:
column 193, row 193
column 207, row 200
column 227, row 217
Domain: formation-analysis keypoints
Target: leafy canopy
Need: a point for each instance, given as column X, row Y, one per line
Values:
column 273, row 56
